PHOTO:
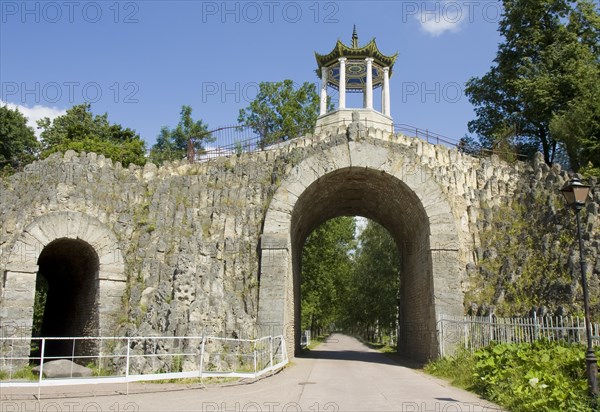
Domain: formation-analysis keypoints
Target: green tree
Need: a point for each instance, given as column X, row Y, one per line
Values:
column 281, row 112
column 547, row 61
column 18, row 145
column 348, row 283
column 326, row 267
column 371, row 305
column 80, row 130
column 577, row 125
column 468, row 145
column 172, row 144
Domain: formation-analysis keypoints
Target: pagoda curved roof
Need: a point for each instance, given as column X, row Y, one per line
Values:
column 368, row 50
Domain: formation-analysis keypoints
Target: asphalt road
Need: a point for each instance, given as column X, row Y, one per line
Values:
column 341, row 374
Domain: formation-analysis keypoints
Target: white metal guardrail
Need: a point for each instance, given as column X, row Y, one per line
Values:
column 134, row 359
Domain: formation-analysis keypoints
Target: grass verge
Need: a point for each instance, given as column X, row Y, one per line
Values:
column 24, row 373
column 314, row 342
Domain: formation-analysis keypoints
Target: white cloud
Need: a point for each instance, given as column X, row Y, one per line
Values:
column 361, row 225
column 35, row 113
column 442, row 17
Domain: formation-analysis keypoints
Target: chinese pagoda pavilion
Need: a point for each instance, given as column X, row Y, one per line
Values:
column 355, row 69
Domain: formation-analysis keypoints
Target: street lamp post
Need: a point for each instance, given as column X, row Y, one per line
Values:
column 576, row 194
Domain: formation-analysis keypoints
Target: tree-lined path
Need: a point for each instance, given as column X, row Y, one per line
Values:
column 341, row 374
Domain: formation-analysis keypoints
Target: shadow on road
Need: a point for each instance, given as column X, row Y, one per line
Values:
column 348, row 355
column 393, row 359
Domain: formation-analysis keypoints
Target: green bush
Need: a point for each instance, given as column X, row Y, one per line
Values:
column 543, row 376
column 98, row 370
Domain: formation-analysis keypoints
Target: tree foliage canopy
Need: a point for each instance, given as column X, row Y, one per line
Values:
column 544, row 81
column 326, row 267
column 372, row 305
column 172, row 144
column 18, row 145
column 350, row 283
column 281, row 112
column 80, row 130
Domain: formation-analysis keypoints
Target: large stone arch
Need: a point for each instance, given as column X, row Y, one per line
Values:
column 46, row 238
column 388, row 185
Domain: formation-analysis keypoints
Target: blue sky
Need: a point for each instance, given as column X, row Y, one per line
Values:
column 140, row 61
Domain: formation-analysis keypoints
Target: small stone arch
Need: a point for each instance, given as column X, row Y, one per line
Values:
column 41, row 240
column 384, row 183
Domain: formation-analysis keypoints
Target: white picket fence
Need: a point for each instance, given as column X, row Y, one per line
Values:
column 133, row 359
column 475, row 332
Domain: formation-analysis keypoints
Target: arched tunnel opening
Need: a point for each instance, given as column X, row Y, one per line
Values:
column 66, row 303
column 388, row 201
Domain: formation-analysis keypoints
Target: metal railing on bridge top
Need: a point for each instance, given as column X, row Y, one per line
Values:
column 134, row 359
column 238, row 139
column 426, row 135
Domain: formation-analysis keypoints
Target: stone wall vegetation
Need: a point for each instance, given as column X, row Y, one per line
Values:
column 528, row 257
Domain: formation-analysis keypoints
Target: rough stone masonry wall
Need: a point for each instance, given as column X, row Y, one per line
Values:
column 190, row 233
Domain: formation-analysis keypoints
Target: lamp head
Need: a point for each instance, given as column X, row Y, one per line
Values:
column 575, row 192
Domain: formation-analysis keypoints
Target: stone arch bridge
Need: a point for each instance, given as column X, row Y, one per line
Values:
column 214, row 247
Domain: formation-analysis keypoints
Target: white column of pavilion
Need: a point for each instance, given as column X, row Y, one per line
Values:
column 323, row 108
column 369, row 85
column 385, row 104
column 342, row 89
column 368, row 97
column 383, row 99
